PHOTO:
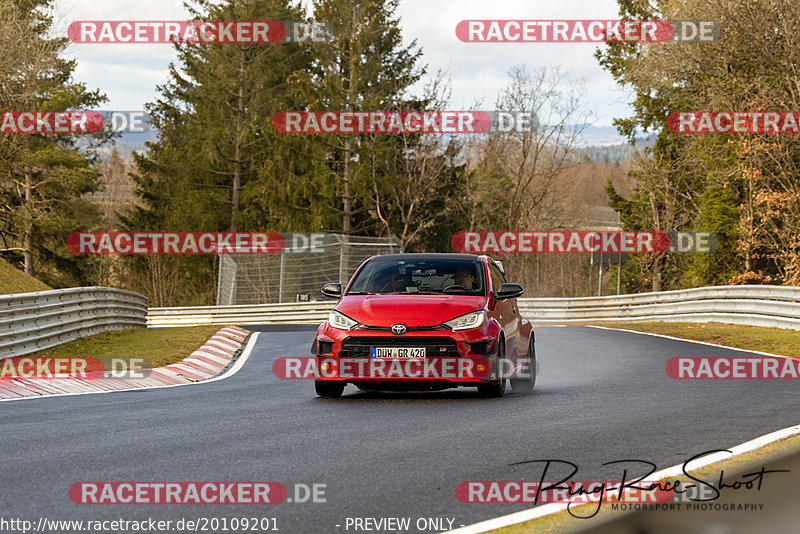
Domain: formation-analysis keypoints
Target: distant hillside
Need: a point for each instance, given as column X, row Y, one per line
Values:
column 607, row 135
column 126, row 144
column 617, row 152
column 12, row 280
column 596, row 143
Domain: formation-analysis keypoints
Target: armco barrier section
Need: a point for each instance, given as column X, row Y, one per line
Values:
column 244, row 314
column 34, row 321
column 777, row 306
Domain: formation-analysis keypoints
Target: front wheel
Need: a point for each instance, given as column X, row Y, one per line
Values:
column 526, row 383
column 328, row 389
column 496, row 388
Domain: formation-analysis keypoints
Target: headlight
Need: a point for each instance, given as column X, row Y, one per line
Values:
column 470, row 320
column 340, row 321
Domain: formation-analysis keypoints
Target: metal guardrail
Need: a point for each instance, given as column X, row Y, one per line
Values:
column 777, row 306
column 244, row 314
column 34, row 321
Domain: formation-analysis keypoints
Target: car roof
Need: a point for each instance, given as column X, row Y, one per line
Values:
column 429, row 256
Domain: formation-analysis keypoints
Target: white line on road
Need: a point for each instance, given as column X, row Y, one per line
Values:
column 675, row 470
column 691, row 341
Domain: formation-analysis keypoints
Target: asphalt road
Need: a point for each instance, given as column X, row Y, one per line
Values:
column 601, row 395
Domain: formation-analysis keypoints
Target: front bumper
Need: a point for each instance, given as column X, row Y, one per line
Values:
column 453, row 358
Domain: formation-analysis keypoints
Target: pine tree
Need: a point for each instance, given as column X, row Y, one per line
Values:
column 42, row 176
column 364, row 67
column 216, row 153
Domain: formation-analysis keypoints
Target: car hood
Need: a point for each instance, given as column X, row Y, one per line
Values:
column 411, row 310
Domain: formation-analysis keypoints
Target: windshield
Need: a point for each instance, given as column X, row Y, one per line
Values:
column 383, row 277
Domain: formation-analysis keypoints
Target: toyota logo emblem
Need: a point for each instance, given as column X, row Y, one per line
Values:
column 398, row 329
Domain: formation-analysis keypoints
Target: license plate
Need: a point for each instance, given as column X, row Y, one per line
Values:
column 398, row 352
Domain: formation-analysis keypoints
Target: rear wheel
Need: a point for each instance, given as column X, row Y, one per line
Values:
column 525, row 385
column 330, row 390
column 496, row 388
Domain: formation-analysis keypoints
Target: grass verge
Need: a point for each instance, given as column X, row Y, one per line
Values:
column 158, row 346
column 12, row 280
column 774, row 340
column 752, row 461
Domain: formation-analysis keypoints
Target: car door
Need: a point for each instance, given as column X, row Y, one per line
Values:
column 506, row 312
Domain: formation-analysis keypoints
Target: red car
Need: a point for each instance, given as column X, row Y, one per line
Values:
column 425, row 322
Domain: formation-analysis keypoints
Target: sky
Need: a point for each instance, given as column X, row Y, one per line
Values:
column 129, row 73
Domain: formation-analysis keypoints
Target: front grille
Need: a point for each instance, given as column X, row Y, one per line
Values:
column 408, row 329
column 355, row 347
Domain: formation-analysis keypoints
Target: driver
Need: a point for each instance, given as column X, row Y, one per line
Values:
column 392, row 281
column 383, row 282
column 401, row 281
column 465, row 277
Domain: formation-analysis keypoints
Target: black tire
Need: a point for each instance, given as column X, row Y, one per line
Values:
column 329, row 390
column 525, row 385
column 496, row 388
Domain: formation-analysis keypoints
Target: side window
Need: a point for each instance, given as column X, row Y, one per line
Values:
column 497, row 277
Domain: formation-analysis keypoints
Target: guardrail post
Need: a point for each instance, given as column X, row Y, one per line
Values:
column 283, row 275
column 342, row 255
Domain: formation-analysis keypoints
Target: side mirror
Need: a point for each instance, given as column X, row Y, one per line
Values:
column 333, row 291
column 509, row 291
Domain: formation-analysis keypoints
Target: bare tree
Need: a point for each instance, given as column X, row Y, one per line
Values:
column 424, row 167
column 521, row 168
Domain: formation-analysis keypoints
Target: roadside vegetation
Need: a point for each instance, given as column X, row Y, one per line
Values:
column 742, row 187
column 157, row 346
column 13, row 280
column 219, row 165
column 774, row 340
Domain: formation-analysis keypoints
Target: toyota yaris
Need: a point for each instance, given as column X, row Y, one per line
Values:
column 425, row 322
